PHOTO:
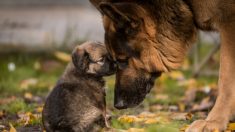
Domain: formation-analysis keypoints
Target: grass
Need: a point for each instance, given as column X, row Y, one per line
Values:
column 38, row 67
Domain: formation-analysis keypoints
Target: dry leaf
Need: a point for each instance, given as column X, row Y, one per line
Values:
column 162, row 97
column 186, row 64
column 1, row 113
column 181, row 116
column 151, row 121
column 183, row 129
column 231, row 126
column 191, row 83
column 12, row 129
column 181, row 107
column 129, row 119
column 62, row 56
column 28, row 96
column 177, row 75
column 26, row 118
column 25, row 84
column 147, row 115
column 39, row 109
column 135, row 130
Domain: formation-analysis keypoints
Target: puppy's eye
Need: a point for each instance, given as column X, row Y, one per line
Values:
column 101, row 61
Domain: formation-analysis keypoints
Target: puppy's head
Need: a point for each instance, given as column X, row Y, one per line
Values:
column 92, row 58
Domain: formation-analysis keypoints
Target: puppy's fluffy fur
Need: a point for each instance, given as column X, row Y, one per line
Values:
column 77, row 103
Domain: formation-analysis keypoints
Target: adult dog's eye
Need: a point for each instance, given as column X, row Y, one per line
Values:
column 122, row 63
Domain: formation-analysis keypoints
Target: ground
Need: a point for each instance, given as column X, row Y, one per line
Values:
column 176, row 100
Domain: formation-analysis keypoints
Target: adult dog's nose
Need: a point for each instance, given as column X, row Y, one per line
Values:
column 120, row 104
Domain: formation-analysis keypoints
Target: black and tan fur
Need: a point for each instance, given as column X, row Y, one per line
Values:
column 77, row 103
column 148, row 37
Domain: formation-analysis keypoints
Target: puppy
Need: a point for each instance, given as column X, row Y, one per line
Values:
column 77, row 103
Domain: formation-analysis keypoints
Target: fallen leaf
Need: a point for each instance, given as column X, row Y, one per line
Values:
column 231, row 126
column 162, row 97
column 181, row 116
column 177, row 75
column 27, row 118
column 28, row 96
column 155, row 108
column 190, row 83
column 135, row 130
column 62, row 56
column 183, row 129
column 39, row 109
column 151, row 121
column 12, row 129
column 1, row 114
column 146, row 115
column 25, row 84
column 173, row 108
column 181, row 107
column 186, row 64
column 129, row 119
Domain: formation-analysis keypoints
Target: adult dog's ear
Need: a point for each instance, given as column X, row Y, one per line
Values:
column 80, row 59
column 96, row 3
column 117, row 13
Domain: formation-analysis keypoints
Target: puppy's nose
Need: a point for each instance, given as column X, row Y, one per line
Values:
column 120, row 105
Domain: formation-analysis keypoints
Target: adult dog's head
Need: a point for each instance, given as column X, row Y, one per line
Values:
column 145, row 38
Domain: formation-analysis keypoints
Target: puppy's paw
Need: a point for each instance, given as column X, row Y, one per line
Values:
column 207, row 126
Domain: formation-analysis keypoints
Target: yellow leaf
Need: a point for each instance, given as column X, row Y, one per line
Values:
column 147, row 115
column 62, row 56
column 25, row 84
column 162, row 96
column 176, row 75
column 150, row 121
column 185, row 65
column 128, row 119
column 181, row 107
column 12, row 129
column 1, row 113
column 163, row 78
column 39, row 109
column 231, row 126
column 135, row 130
column 191, row 83
column 28, row 96
column 183, row 129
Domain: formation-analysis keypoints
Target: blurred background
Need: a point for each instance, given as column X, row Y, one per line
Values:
column 36, row 38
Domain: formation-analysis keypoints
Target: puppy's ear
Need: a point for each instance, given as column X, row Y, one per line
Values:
column 80, row 59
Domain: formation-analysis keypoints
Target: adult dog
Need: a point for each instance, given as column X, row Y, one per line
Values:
column 148, row 37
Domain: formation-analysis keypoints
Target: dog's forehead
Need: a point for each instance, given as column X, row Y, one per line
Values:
column 95, row 50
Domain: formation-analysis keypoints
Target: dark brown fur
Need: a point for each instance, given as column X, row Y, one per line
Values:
column 148, row 37
column 77, row 103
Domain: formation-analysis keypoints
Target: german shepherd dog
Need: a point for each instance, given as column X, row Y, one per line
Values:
column 149, row 37
column 77, row 103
